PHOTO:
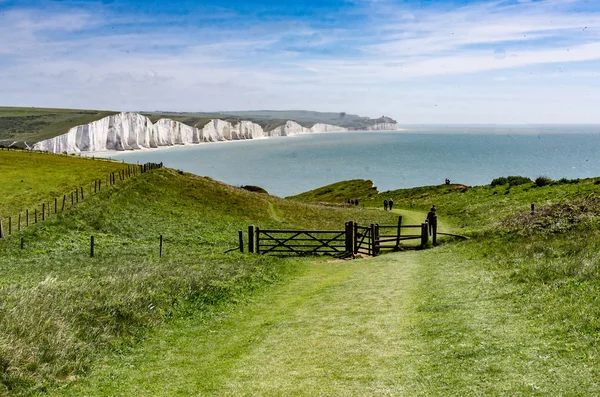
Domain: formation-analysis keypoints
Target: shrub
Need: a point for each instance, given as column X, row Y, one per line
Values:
column 542, row 181
column 499, row 181
column 518, row 180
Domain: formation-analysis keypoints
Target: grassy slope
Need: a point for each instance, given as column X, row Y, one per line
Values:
column 339, row 192
column 37, row 124
column 30, row 178
column 60, row 309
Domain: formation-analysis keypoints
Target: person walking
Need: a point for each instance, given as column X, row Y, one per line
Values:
column 431, row 218
column 390, row 203
column 385, row 205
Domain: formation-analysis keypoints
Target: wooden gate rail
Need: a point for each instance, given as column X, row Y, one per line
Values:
column 298, row 242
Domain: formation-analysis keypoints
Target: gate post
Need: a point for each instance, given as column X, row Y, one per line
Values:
column 257, row 240
column 355, row 238
column 372, row 242
column 251, row 239
column 424, row 236
column 398, row 232
column 434, row 230
column 376, row 242
column 349, row 240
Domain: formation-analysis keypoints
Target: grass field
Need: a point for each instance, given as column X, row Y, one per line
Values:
column 512, row 311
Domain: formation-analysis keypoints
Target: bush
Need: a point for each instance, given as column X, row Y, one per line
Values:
column 511, row 180
column 542, row 181
column 499, row 181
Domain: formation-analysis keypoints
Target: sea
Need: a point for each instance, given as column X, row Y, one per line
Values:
column 417, row 155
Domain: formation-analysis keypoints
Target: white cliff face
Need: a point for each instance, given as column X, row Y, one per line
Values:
column 384, row 127
column 131, row 131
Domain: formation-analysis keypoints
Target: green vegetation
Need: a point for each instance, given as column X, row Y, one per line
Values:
column 512, row 311
column 60, row 309
column 37, row 124
column 339, row 192
column 511, row 181
column 30, row 178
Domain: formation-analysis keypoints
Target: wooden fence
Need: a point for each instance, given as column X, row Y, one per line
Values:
column 354, row 239
column 41, row 212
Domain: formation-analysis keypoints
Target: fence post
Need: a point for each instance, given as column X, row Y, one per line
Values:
column 1, row 230
column 64, row 201
column 434, row 230
column 398, row 232
column 35, row 215
column 349, row 240
column 376, row 240
column 241, row 237
column 257, row 240
column 27, row 218
column 76, row 195
column 372, row 242
column 81, row 188
column 43, row 211
column 161, row 245
column 251, row 239
column 72, row 199
column 55, row 205
column 19, row 224
column 424, row 236
column 532, row 208
column 91, row 246
column 9, row 225
column 355, row 238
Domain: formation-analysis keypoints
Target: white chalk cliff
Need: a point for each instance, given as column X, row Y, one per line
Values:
column 131, row 131
column 383, row 127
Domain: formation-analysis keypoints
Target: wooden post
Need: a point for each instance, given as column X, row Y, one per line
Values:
column 532, row 208
column 376, row 240
column 241, row 238
column 27, row 220
column 1, row 230
column 81, row 188
column 251, row 239
column 349, row 239
column 43, row 211
column 35, row 215
column 19, row 224
column 257, row 240
column 72, row 199
column 76, row 195
column 372, row 245
column 356, row 238
column 424, row 236
column 9, row 225
column 95, row 186
column 398, row 232
column 434, row 230
column 55, row 206
column 64, row 201
column 91, row 246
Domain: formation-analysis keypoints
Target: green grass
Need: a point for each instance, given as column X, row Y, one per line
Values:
column 61, row 310
column 339, row 192
column 37, row 124
column 30, row 178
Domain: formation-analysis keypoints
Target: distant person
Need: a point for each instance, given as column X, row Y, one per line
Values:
column 391, row 203
column 385, row 205
column 356, row 202
column 430, row 218
column 447, row 181
column 351, row 202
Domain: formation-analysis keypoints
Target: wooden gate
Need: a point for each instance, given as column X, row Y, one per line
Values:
column 300, row 242
column 364, row 239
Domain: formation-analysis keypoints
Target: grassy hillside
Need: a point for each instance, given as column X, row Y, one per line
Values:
column 61, row 309
column 37, row 124
column 340, row 192
column 30, row 178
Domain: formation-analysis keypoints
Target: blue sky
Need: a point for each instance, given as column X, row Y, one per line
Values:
column 515, row 61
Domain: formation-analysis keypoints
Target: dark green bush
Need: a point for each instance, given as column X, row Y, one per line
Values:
column 499, row 181
column 511, row 180
column 542, row 181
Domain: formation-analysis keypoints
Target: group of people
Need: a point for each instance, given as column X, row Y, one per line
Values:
column 388, row 203
column 355, row 202
column 447, row 181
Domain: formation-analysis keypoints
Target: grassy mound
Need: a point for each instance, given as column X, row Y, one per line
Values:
column 339, row 192
column 60, row 309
